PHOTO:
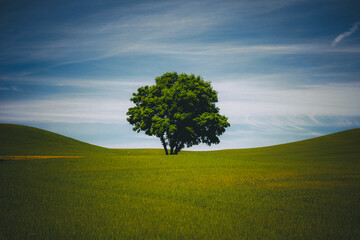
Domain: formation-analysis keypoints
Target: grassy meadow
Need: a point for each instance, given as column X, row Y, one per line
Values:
column 303, row 190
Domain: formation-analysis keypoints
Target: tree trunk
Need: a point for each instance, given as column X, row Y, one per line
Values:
column 178, row 148
column 166, row 151
column 171, row 145
column 164, row 144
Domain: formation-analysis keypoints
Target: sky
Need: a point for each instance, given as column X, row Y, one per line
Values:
column 285, row 70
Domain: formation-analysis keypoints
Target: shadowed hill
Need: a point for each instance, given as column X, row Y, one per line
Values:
column 23, row 140
column 345, row 144
column 337, row 143
column 341, row 142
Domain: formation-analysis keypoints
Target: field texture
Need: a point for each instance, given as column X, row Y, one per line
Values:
column 303, row 190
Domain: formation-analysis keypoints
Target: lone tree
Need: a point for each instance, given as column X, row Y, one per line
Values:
column 178, row 109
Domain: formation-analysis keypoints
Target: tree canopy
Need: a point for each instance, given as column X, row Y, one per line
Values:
column 178, row 109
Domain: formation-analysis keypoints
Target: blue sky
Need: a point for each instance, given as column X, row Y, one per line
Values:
column 285, row 70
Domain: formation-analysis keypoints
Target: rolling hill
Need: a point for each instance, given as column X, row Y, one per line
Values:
column 340, row 143
column 301, row 190
column 24, row 140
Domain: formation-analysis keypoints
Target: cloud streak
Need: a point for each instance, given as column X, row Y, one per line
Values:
column 346, row 34
column 242, row 101
column 65, row 110
column 253, row 103
column 147, row 29
column 277, row 75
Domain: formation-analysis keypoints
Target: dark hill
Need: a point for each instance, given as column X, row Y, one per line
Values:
column 23, row 140
column 341, row 145
column 337, row 143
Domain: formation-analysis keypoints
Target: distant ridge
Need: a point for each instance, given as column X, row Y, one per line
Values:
column 340, row 142
column 24, row 140
column 345, row 144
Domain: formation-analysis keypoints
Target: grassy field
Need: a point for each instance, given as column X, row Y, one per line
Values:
column 303, row 190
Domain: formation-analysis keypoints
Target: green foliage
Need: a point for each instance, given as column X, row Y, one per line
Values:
column 180, row 110
column 303, row 190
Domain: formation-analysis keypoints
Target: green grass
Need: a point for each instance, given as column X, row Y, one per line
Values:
column 303, row 190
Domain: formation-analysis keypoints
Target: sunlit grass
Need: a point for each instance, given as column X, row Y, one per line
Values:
column 288, row 192
column 184, row 197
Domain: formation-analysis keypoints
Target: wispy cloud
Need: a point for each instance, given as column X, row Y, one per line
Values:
column 80, row 62
column 155, row 28
column 109, row 32
column 114, row 84
column 65, row 110
column 346, row 34
column 243, row 101
column 253, row 103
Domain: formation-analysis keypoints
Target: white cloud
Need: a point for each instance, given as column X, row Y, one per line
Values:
column 66, row 110
column 253, row 103
column 109, row 84
column 260, row 113
column 346, row 34
column 241, row 101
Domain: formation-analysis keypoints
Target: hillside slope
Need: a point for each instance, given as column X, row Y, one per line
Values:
column 345, row 144
column 337, row 143
column 24, row 140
